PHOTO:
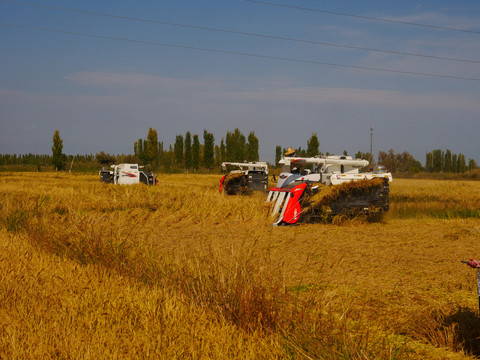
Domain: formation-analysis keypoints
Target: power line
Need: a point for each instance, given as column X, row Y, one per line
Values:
column 364, row 17
column 146, row 42
column 311, row 42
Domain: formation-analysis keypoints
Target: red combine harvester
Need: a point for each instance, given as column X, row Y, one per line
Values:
column 317, row 189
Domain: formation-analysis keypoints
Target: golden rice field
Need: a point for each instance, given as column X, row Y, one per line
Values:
column 178, row 271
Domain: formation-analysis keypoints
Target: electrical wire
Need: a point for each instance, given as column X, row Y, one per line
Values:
column 146, row 42
column 311, row 42
column 364, row 17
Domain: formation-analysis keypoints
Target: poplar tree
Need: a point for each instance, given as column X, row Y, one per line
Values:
column 252, row 147
column 188, row 150
column 178, row 150
column 278, row 154
column 196, row 152
column 235, row 144
column 58, row 158
column 208, row 149
column 152, row 148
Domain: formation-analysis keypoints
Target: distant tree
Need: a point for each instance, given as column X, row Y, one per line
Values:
column 105, row 159
column 196, row 152
column 188, row 150
column 438, row 156
column 178, row 150
column 218, row 157
column 462, row 164
column 236, row 146
column 447, row 162
column 140, row 150
column 252, row 147
column 168, row 158
column 278, row 154
column 345, row 153
column 58, row 158
column 300, row 152
column 406, row 163
column 455, row 163
column 429, row 162
column 472, row 165
column 152, row 151
column 208, row 149
column 223, row 152
column 313, row 145
column 127, row 159
column 388, row 160
column 402, row 162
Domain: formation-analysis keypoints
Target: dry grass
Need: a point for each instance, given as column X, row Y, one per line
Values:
column 179, row 271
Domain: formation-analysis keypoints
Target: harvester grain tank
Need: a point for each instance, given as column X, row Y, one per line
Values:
column 244, row 178
column 316, row 189
column 127, row 174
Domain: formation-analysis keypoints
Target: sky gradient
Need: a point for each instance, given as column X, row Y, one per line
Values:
column 104, row 72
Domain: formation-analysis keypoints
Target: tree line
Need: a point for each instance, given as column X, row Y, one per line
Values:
column 188, row 154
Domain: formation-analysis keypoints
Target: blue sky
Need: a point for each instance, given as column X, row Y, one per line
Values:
column 104, row 72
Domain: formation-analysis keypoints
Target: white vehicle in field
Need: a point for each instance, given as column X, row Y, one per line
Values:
column 243, row 178
column 127, row 174
column 326, row 170
column 317, row 188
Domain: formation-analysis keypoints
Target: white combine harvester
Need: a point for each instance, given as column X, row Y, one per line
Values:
column 328, row 170
column 303, row 192
column 243, row 178
column 127, row 174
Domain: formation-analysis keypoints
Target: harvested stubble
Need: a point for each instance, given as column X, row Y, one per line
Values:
column 392, row 290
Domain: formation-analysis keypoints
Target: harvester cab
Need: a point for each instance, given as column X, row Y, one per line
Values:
column 243, row 178
column 333, row 185
column 127, row 174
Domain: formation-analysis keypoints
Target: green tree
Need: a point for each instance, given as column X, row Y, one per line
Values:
column 313, row 145
column 152, row 153
column 196, row 152
column 105, row 159
column 462, row 164
column 188, row 150
column 58, row 158
column 223, row 152
column 178, row 150
column 208, row 149
column 235, row 144
column 168, row 158
column 278, row 154
column 252, row 147
column 140, row 149
column 429, row 162
column 472, row 165
column 438, row 160
column 455, row 163
column 389, row 160
column 448, row 165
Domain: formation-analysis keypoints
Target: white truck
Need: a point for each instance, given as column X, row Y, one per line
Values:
column 127, row 174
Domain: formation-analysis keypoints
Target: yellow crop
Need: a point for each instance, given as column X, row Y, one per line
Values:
column 96, row 271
